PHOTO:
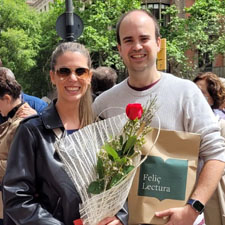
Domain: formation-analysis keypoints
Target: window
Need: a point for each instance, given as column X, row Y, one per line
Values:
column 156, row 9
column 204, row 61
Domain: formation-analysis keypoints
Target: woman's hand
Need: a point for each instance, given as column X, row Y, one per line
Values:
column 110, row 221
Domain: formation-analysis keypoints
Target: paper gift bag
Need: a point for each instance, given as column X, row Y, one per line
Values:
column 166, row 178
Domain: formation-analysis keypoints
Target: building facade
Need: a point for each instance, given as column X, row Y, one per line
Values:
column 40, row 5
column 158, row 6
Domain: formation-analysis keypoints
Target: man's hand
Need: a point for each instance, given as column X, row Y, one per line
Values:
column 186, row 215
column 25, row 110
column 179, row 216
column 110, row 221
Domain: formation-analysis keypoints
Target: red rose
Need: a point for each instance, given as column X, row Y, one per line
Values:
column 134, row 111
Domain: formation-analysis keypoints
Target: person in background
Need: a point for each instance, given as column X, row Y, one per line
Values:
column 181, row 106
column 9, row 73
column 103, row 79
column 12, row 107
column 36, row 103
column 213, row 89
column 223, row 81
column 36, row 188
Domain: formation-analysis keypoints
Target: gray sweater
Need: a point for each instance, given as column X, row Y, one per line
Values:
column 181, row 107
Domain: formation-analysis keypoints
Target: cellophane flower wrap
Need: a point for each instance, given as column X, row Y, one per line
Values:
column 101, row 160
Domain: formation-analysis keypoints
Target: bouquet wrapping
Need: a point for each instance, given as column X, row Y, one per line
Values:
column 101, row 160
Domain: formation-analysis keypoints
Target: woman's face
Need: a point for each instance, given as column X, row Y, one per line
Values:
column 5, row 105
column 70, row 86
column 202, row 84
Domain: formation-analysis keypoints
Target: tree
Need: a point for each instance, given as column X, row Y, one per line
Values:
column 99, row 36
column 201, row 31
column 19, row 38
column 28, row 38
column 100, row 18
column 48, row 42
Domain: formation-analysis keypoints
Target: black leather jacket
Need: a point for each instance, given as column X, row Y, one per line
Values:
column 36, row 188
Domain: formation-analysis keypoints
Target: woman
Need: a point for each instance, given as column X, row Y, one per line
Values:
column 214, row 91
column 36, row 188
column 15, row 110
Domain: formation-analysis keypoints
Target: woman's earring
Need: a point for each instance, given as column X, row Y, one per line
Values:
column 53, row 86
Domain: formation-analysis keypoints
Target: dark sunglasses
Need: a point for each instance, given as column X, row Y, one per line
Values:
column 66, row 72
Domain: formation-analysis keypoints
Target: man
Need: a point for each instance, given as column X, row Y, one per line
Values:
column 182, row 107
column 103, row 78
column 36, row 103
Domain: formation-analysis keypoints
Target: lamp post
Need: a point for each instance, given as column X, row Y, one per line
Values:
column 69, row 25
column 69, row 21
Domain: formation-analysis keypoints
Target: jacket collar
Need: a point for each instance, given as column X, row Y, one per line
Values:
column 12, row 112
column 50, row 117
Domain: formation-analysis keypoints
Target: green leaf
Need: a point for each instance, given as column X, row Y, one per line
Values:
column 122, row 160
column 115, row 179
column 123, row 147
column 120, row 153
column 118, row 177
column 127, row 169
column 96, row 187
column 129, row 144
column 111, row 151
column 131, row 151
column 100, row 168
column 121, row 139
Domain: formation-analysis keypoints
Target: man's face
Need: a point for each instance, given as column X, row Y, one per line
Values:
column 139, row 46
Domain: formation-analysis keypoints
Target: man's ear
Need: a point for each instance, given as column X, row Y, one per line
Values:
column 52, row 76
column 7, row 98
column 158, row 41
column 119, row 49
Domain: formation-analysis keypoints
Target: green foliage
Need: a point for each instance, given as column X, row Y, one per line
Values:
column 49, row 40
column 100, row 18
column 202, row 31
column 28, row 38
column 19, row 38
column 96, row 187
column 98, row 36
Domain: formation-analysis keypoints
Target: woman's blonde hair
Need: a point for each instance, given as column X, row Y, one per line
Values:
column 85, row 110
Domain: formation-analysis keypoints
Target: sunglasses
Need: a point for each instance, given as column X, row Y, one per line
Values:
column 65, row 72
